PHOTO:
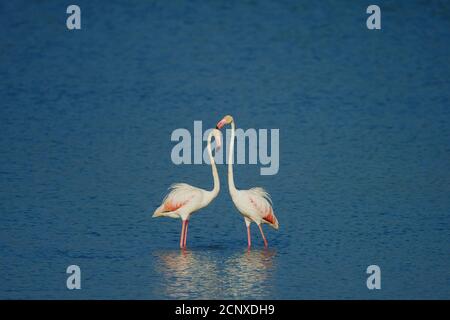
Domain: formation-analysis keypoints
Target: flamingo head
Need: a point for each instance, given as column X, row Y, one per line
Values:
column 218, row 138
column 226, row 120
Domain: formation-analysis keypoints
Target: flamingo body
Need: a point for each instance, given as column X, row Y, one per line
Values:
column 183, row 199
column 255, row 203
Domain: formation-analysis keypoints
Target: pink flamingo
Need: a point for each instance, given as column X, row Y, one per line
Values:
column 254, row 204
column 184, row 199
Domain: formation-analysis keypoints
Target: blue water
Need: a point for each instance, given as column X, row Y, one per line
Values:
column 86, row 118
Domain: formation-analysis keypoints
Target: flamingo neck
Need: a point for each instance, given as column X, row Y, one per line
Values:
column 231, row 185
column 216, row 188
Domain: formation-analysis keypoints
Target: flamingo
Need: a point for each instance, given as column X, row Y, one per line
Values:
column 184, row 199
column 254, row 204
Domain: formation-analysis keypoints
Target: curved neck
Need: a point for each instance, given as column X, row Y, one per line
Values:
column 231, row 185
column 216, row 187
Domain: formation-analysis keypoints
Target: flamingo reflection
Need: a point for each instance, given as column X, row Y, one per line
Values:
column 248, row 274
column 188, row 275
column 216, row 275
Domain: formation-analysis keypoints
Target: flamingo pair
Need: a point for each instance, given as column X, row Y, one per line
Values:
column 183, row 199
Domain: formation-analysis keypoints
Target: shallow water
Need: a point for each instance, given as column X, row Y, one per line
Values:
column 86, row 119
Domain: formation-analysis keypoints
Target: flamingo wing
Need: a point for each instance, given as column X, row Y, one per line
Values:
column 180, row 196
column 261, row 205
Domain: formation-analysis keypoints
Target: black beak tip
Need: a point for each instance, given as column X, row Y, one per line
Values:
column 217, row 127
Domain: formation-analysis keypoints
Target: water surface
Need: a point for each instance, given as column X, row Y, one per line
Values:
column 86, row 118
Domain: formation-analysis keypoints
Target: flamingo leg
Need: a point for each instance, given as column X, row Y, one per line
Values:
column 185, row 233
column 249, row 240
column 264, row 238
column 183, row 225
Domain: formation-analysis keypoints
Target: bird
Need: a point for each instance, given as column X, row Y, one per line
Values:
column 183, row 199
column 254, row 204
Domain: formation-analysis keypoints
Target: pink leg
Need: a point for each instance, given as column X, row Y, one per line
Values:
column 249, row 240
column 185, row 233
column 182, row 234
column 264, row 238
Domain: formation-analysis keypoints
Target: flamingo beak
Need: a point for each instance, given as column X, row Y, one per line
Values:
column 221, row 123
column 218, row 138
column 218, row 145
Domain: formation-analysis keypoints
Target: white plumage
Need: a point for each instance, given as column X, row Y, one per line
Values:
column 183, row 199
column 254, row 204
